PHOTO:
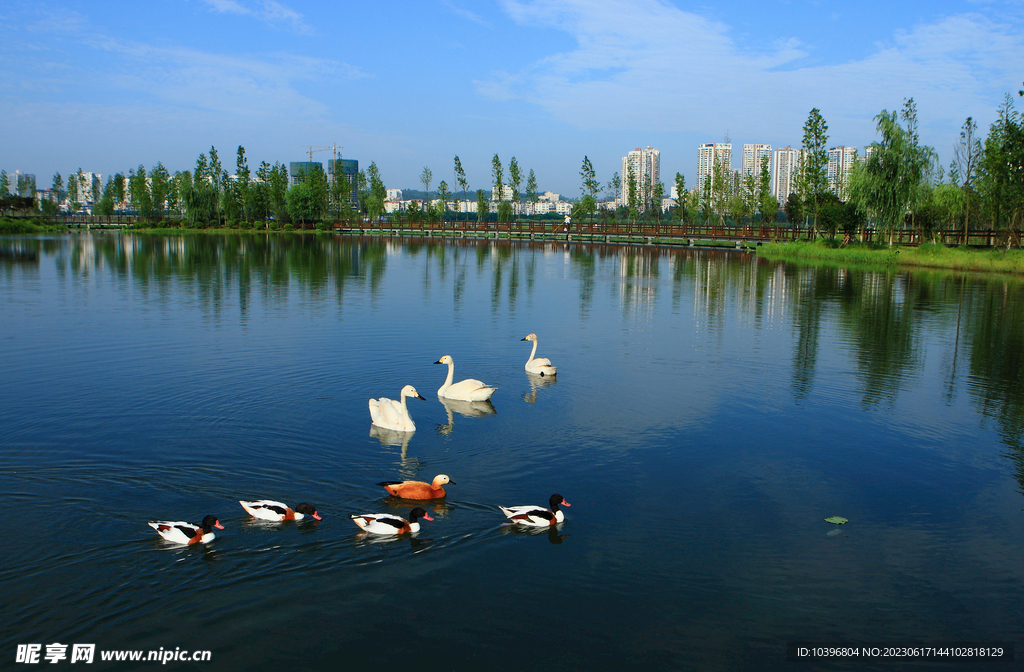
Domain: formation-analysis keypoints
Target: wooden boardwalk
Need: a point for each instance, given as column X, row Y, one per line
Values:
column 666, row 232
column 649, row 233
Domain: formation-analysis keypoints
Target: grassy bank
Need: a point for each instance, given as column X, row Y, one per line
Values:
column 924, row 256
column 9, row 225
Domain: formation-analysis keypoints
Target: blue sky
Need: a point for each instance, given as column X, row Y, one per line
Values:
column 106, row 86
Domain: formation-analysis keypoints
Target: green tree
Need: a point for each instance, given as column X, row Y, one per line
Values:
column 159, row 187
column 748, row 193
column 588, row 188
column 481, row 206
column 317, row 181
column 138, row 189
column 767, row 204
column 460, row 178
column 215, row 169
column 680, row 212
column 531, row 188
column 426, row 177
column 963, row 170
column 1002, row 172
column 657, row 194
column 614, row 187
column 632, row 195
column 814, row 168
column 57, row 187
column 891, row 181
column 378, row 192
column 515, row 179
column 794, row 209
column 5, row 183
column 721, row 186
column 443, row 194
column 119, row 187
column 277, row 192
column 300, row 200
column 105, row 206
column 498, row 175
column 242, row 184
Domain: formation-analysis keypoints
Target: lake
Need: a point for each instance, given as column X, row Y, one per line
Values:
column 710, row 410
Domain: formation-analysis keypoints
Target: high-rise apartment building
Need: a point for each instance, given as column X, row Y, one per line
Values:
column 752, row 155
column 840, row 160
column 645, row 166
column 785, row 172
column 706, row 157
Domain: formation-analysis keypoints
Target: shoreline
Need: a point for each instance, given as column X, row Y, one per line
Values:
column 928, row 256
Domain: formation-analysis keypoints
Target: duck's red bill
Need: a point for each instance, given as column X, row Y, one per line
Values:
column 218, row 525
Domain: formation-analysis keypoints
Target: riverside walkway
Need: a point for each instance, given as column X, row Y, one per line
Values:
column 664, row 232
column 669, row 232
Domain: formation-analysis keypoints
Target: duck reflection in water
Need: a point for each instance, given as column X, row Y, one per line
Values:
column 469, row 409
column 553, row 533
column 537, row 382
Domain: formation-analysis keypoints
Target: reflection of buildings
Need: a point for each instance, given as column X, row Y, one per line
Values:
column 638, row 288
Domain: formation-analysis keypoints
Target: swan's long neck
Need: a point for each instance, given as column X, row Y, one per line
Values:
column 451, row 374
column 405, row 409
column 532, row 352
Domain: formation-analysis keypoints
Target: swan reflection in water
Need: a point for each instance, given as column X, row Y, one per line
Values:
column 391, row 437
column 469, row 409
column 537, row 382
column 553, row 532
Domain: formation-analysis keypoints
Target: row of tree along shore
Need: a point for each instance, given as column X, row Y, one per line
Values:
column 897, row 187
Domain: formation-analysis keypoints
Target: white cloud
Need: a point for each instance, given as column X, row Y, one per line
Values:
column 234, row 84
column 268, row 11
column 464, row 13
column 649, row 66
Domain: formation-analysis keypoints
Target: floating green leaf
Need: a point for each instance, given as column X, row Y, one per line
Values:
column 836, row 520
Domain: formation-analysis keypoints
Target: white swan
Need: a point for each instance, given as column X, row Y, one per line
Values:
column 464, row 390
column 390, row 414
column 540, row 365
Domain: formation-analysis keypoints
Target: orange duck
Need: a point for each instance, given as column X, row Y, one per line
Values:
column 418, row 489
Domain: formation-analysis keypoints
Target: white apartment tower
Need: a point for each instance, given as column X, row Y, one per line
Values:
column 785, row 171
column 840, row 160
column 752, row 155
column 706, row 156
column 645, row 165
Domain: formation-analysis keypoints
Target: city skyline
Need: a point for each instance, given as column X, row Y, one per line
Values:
column 96, row 87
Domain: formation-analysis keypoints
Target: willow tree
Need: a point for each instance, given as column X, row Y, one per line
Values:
column 889, row 184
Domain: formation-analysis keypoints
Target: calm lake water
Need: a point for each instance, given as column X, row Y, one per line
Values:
column 710, row 411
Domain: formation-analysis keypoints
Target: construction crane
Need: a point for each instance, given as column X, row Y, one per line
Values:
column 322, row 148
